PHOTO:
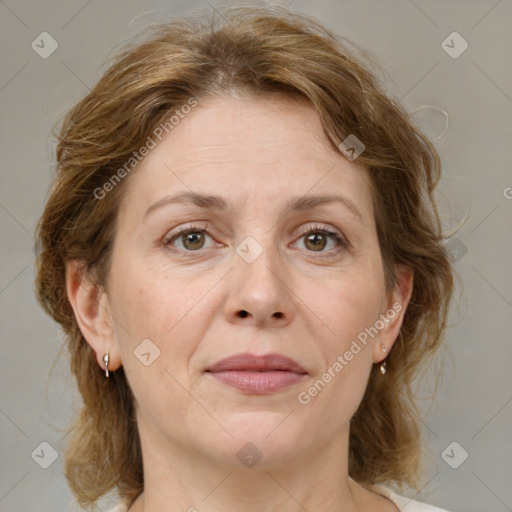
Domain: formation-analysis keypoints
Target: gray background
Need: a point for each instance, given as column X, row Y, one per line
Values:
column 473, row 405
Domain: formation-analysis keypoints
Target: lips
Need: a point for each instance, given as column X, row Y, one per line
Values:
column 257, row 375
column 252, row 363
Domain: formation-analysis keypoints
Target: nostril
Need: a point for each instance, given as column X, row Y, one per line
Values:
column 244, row 313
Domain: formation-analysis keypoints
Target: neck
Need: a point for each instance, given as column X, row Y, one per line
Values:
column 177, row 480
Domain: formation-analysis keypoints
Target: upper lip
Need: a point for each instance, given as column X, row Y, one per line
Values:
column 246, row 361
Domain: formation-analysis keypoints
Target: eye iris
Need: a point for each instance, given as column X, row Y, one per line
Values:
column 318, row 240
column 196, row 238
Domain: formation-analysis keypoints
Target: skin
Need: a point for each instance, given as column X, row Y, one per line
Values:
column 257, row 154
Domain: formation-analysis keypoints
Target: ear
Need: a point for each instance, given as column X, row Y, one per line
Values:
column 393, row 312
column 90, row 305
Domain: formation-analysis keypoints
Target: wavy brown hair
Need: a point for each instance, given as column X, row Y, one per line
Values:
column 255, row 51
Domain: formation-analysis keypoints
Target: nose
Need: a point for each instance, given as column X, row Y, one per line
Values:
column 259, row 293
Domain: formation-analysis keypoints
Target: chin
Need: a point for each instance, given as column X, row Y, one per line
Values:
column 259, row 439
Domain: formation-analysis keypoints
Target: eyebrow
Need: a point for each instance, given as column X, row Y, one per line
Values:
column 213, row 202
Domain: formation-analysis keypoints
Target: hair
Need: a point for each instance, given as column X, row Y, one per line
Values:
column 259, row 52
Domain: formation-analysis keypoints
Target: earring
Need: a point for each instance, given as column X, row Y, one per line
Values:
column 106, row 360
column 383, row 365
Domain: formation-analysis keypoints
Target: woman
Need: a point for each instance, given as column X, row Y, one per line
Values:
column 242, row 238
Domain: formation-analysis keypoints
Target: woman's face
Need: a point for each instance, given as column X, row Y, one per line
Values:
column 257, row 273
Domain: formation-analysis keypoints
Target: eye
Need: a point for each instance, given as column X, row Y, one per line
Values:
column 316, row 239
column 191, row 237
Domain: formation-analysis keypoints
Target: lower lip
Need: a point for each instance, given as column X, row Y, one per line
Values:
column 259, row 383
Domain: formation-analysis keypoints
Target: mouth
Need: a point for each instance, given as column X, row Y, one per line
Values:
column 258, row 375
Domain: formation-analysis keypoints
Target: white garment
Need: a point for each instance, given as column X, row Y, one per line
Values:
column 404, row 504
column 120, row 507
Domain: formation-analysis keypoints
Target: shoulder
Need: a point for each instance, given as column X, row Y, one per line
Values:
column 407, row 504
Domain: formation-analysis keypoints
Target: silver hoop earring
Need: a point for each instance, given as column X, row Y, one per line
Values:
column 106, row 360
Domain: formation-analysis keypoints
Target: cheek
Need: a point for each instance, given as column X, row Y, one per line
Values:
column 336, row 391
column 349, row 304
column 149, row 304
column 156, row 340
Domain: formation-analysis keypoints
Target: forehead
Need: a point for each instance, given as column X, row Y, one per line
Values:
column 270, row 148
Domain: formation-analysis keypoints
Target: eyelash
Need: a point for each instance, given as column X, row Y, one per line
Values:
column 315, row 228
